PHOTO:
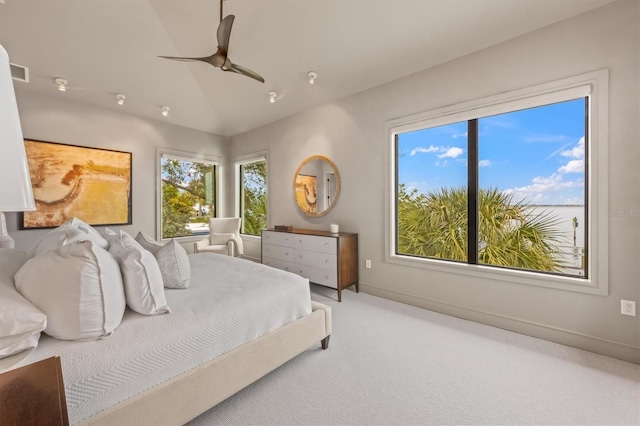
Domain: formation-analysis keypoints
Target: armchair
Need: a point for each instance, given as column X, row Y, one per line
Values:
column 224, row 237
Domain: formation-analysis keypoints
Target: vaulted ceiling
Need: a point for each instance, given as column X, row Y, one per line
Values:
column 104, row 47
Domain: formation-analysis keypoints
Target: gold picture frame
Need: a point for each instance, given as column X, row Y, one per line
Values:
column 92, row 184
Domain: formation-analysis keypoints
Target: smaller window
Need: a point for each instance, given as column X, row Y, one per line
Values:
column 188, row 195
column 253, row 196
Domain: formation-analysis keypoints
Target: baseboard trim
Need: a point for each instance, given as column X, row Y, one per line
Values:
column 559, row 335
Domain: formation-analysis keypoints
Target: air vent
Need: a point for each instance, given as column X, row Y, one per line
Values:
column 19, row 73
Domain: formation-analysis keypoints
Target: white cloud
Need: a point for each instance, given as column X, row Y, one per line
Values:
column 542, row 187
column 425, row 150
column 576, row 152
column 452, row 152
column 573, row 166
column 484, row 163
column 459, row 135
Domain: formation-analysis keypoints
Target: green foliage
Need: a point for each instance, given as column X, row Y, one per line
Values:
column 509, row 233
column 254, row 197
column 185, row 186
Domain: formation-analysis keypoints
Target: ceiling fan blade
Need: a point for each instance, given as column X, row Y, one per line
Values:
column 175, row 58
column 224, row 32
column 245, row 71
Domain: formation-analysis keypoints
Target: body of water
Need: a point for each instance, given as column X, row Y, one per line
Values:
column 564, row 214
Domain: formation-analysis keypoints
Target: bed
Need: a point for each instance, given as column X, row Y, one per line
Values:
column 237, row 321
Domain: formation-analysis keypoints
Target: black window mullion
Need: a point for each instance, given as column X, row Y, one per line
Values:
column 472, row 192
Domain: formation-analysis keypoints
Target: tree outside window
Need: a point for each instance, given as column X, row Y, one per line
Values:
column 188, row 196
column 253, row 196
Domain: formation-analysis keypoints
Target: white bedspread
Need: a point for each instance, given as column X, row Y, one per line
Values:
column 230, row 302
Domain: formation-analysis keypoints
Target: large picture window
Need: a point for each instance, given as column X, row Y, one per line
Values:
column 507, row 187
column 188, row 194
column 506, row 190
column 253, row 195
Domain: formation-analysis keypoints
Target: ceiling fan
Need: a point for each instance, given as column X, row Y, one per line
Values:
column 220, row 59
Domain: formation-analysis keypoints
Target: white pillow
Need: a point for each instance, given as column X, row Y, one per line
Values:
column 85, row 227
column 220, row 238
column 148, row 242
column 141, row 274
column 64, row 234
column 172, row 259
column 20, row 321
column 79, row 287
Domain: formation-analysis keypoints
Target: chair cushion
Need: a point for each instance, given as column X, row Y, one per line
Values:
column 222, row 238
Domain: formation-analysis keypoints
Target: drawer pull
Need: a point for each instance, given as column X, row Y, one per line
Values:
column 286, row 253
column 300, row 271
column 326, row 244
column 326, row 278
column 326, row 261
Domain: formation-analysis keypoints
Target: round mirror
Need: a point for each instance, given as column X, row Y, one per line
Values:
column 316, row 185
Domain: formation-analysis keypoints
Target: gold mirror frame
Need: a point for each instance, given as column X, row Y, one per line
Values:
column 305, row 188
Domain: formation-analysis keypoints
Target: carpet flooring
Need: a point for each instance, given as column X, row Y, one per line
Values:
column 394, row 364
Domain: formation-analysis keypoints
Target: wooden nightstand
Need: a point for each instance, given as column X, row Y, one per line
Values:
column 33, row 395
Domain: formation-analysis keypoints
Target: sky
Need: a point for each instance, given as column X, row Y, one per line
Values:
column 537, row 155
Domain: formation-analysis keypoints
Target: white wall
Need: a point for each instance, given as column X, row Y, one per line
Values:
column 54, row 119
column 352, row 133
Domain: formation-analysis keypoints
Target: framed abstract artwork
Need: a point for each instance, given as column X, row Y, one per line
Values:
column 92, row 184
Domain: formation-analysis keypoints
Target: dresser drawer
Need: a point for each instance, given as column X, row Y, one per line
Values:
column 279, row 264
column 324, row 277
column 278, row 238
column 314, row 243
column 316, row 259
column 277, row 252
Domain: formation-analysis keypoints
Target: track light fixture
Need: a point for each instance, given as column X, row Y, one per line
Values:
column 62, row 84
column 272, row 96
column 312, row 77
column 120, row 97
column 165, row 110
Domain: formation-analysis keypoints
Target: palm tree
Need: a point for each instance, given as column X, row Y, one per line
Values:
column 509, row 233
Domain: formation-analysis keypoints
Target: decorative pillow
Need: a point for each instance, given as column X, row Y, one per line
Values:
column 64, row 234
column 85, row 227
column 20, row 321
column 172, row 259
column 79, row 287
column 141, row 274
column 221, row 238
column 148, row 242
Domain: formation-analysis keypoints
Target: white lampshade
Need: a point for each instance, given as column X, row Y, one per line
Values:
column 16, row 194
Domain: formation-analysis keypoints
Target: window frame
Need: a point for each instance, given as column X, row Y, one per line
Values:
column 239, row 161
column 185, row 156
column 593, row 84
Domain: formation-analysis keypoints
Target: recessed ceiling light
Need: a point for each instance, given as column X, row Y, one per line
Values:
column 165, row 110
column 120, row 97
column 62, row 83
column 312, row 77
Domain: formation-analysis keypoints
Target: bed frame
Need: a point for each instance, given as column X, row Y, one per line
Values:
column 192, row 393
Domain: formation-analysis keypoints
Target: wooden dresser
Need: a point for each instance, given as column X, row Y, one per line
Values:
column 324, row 258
